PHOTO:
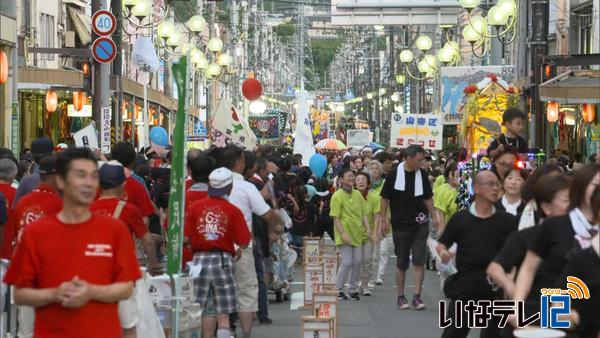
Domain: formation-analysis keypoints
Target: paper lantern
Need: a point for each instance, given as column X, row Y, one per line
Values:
column 252, row 89
column 78, row 100
column 3, row 67
column 51, row 101
column 552, row 112
column 589, row 112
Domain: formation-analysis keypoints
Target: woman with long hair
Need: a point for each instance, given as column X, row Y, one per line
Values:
column 559, row 238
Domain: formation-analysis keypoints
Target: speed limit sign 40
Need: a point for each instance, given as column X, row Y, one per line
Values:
column 104, row 23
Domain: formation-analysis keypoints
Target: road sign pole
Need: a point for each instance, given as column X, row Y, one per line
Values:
column 101, row 88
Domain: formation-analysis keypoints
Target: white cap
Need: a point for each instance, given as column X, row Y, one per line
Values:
column 219, row 181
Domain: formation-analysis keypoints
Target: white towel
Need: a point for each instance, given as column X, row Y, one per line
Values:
column 401, row 180
column 582, row 228
column 528, row 215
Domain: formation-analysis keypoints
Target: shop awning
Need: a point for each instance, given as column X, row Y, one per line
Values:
column 83, row 24
column 574, row 87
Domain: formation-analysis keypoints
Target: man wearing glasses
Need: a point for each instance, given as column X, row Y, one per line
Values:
column 480, row 233
column 408, row 195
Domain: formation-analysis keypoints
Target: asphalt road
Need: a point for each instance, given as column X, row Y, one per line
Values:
column 371, row 317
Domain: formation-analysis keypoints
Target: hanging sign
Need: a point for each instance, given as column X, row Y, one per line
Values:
column 422, row 129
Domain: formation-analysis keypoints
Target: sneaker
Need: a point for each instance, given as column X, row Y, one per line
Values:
column 342, row 295
column 354, row 296
column 366, row 292
column 417, row 303
column 371, row 285
column 379, row 282
column 403, row 303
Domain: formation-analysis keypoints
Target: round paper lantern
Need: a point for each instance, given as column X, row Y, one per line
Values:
column 51, row 101
column 589, row 112
column 552, row 112
column 78, row 100
column 3, row 67
column 252, row 89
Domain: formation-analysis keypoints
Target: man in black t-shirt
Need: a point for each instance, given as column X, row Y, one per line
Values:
column 407, row 193
column 479, row 232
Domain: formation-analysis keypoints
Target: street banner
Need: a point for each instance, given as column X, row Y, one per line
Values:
column 454, row 80
column 281, row 116
column 422, row 129
column 86, row 137
column 105, row 121
column 265, row 127
column 227, row 121
column 176, row 198
column 358, row 138
column 304, row 142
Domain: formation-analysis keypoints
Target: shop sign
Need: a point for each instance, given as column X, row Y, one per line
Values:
column 14, row 130
column 105, row 120
column 86, row 111
column 422, row 129
column 359, row 138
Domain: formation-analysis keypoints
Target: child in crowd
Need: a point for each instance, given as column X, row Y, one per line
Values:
column 322, row 203
column 350, row 224
column 513, row 119
column 303, row 217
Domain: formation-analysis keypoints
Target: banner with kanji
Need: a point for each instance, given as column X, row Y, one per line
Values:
column 422, row 129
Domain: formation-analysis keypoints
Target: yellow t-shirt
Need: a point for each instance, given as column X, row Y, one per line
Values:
column 444, row 199
column 373, row 206
column 350, row 210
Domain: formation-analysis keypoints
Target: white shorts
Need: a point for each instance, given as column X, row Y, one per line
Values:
column 128, row 311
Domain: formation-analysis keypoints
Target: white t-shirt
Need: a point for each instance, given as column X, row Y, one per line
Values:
column 247, row 198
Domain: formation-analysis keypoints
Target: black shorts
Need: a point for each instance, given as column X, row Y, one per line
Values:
column 410, row 241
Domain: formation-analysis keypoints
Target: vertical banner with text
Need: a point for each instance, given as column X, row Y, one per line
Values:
column 105, row 120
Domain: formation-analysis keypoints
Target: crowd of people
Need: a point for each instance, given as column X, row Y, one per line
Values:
column 77, row 226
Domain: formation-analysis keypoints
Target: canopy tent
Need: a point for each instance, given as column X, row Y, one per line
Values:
column 572, row 87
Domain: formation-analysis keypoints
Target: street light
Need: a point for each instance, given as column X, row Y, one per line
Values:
column 215, row 45
column 196, row 24
column 257, row 107
column 142, row 9
column 423, row 43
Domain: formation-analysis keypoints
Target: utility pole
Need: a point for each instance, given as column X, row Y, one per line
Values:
column 101, row 88
column 117, row 8
column 539, row 48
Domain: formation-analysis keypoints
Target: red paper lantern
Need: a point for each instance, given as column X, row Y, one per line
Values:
column 3, row 67
column 51, row 101
column 78, row 98
column 552, row 112
column 252, row 89
column 589, row 112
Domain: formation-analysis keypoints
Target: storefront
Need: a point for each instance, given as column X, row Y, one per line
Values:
column 572, row 100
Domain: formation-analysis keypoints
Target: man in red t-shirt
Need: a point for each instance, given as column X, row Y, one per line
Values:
column 212, row 227
column 112, row 179
column 135, row 192
column 42, row 202
column 75, row 266
column 8, row 171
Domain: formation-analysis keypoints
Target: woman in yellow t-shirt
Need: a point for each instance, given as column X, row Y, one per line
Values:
column 350, row 225
column 370, row 238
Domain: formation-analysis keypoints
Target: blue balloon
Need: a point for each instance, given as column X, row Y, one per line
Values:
column 318, row 164
column 159, row 136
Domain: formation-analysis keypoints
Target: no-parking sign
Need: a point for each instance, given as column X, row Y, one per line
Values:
column 104, row 50
column 104, row 23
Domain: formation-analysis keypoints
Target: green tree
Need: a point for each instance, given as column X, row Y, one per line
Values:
column 323, row 53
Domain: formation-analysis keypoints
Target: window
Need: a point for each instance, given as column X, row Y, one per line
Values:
column 46, row 30
column 585, row 32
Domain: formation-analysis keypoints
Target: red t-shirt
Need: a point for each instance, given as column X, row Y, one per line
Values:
column 195, row 193
column 214, row 223
column 188, row 183
column 130, row 215
column 43, row 201
column 99, row 251
column 9, row 194
column 136, row 194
